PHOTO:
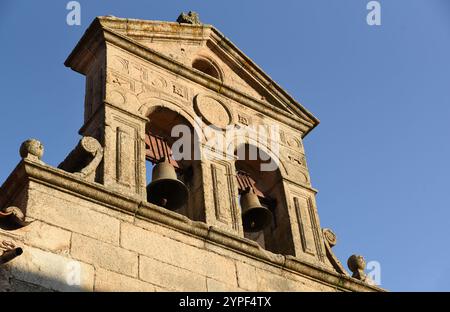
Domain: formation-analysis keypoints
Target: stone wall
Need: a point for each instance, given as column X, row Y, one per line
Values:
column 120, row 252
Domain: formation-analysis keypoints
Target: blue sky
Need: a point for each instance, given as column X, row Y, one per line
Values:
column 380, row 156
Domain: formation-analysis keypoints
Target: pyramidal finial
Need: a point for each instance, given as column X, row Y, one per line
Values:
column 189, row 18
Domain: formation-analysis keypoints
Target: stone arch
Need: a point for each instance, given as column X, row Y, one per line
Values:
column 207, row 66
column 163, row 115
column 154, row 103
column 262, row 146
column 278, row 236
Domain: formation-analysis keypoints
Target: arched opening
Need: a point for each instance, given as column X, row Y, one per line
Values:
column 207, row 67
column 268, row 186
column 179, row 152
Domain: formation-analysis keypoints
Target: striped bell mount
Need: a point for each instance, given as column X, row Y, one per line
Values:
column 245, row 181
column 157, row 149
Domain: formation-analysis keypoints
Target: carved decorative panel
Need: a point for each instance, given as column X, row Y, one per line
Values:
column 223, row 192
column 308, row 226
column 295, row 164
column 128, row 151
column 304, row 224
column 135, row 77
column 244, row 119
column 213, row 111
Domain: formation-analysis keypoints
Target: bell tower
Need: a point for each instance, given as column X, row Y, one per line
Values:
column 191, row 172
column 187, row 73
column 199, row 80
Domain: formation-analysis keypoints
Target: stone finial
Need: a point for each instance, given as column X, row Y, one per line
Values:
column 32, row 149
column 189, row 18
column 357, row 264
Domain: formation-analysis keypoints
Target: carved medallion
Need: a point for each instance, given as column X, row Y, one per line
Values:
column 212, row 110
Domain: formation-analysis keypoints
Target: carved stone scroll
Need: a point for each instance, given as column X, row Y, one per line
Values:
column 330, row 241
column 84, row 159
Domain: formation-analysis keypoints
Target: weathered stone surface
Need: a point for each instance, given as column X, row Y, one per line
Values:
column 52, row 271
column 10, row 284
column 272, row 282
column 216, row 286
column 306, row 284
column 20, row 286
column 72, row 214
column 169, row 276
column 242, row 258
column 104, row 255
column 110, row 281
column 43, row 236
column 181, row 255
column 167, row 232
column 246, row 276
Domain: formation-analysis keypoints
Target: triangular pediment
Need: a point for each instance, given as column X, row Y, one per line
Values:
column 186, row 43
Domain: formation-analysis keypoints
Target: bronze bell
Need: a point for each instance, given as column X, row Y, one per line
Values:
column 165, row 189
column 255, row 217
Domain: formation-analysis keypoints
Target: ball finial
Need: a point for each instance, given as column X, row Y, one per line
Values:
column 32, row 149
column 357, row 264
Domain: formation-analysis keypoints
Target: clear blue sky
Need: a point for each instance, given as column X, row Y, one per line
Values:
column 380, row 156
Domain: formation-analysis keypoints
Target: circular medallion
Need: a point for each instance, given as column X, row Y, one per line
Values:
column 213, row 111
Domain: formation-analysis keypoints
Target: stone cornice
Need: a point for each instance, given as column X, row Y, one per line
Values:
column 86, row 49
column 69, row 183
column 98, row 32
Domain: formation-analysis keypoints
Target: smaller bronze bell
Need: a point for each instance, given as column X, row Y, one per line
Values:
column 165, row 189
column 255, row 217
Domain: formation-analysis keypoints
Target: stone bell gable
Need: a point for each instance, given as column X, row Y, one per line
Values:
column 95, row 223
column 204, row 52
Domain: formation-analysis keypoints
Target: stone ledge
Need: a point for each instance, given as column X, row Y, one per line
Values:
column 58, row 179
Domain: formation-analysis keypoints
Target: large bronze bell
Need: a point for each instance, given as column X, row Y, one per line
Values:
column 255, row 217
column 165, row 189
